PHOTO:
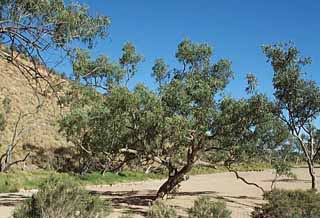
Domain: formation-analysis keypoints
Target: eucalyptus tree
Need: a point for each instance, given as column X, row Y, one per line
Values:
column 297, row 100
column 170, row 127
column 185, row 120
column 200, row 122
column 31, row 30
column 187, row 97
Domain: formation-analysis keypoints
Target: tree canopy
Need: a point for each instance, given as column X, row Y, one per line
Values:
column 297, row 99
column 182, row 122
column 31, row 28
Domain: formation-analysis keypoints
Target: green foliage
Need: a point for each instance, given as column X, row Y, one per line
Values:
column 175, row 126
column 193, row 54
column 283, row 168
column 129, row 60
column 57, row 198
column 289, row 204
column 294, row 93
column 250, row 138
column 160, row 210
column 65, row 23
column 282, row 161
column 102, row 73
column 160, row 71
column 297, row 100
column 76, row 125
column 9, row 183
column 32, row 28
column 186, row 120
column 205, row 208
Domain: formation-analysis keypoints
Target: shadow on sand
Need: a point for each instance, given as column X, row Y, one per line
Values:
column 11, row 199
column 135, row 203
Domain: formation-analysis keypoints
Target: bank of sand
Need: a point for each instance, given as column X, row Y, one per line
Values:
column 135, row 197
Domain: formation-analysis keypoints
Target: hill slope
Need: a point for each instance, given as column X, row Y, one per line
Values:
column 39, row 130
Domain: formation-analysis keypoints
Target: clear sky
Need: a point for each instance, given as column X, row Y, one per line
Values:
column 235, row 28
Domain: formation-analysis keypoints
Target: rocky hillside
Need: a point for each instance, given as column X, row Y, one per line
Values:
column 38, row 131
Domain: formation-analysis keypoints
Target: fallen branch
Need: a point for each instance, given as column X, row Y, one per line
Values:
column 244, row 180
column 7, row 167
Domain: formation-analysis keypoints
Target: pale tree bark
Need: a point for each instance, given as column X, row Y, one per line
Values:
column 6, row 161
column 310, row 152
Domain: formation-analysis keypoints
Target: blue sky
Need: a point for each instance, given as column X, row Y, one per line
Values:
column 236, row 29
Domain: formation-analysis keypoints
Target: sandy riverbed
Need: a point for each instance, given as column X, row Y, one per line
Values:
column 135, row 197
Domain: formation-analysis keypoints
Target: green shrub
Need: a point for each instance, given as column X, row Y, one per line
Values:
column 161, row 210
column 8, row 183
column 58, row 198
column 289, row 204
column 205, row 208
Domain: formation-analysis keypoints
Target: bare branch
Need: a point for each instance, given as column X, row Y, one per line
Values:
column 244, row 180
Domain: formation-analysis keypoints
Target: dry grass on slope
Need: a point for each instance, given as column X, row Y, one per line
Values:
column 39, row 130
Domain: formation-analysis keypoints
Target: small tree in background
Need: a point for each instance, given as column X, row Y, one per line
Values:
column 297, row 100
column 282, row 162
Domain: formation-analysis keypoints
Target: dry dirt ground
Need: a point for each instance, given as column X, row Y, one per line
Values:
column 135, row 197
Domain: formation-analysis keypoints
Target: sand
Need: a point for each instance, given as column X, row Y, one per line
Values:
column 135, row 197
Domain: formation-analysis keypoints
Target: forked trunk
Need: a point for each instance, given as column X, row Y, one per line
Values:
column 178, row 176
column 173, row 181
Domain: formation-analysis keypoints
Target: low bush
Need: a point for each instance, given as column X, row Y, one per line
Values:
column 205, row 208
column 60, row 199
column 160, row 210
column 289, row 204
column 8, row 183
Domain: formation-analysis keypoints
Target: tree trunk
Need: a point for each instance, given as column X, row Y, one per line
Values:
column 178, row 176
column 313, row 176
column 173, row 181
